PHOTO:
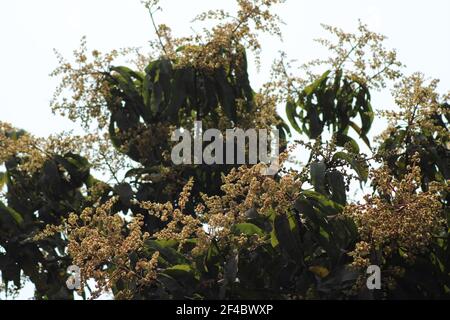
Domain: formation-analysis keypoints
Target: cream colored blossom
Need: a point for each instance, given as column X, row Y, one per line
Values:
column 398, row 217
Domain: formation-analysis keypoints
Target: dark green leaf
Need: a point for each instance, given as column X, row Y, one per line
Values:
column 344, row 140
column 318, row 170
column 248, row 229
column 225, row 94
column 360, row 167
column 17, row 217
column 286, row 231
column 337, row 184
column 291, row 113
column 313, row 87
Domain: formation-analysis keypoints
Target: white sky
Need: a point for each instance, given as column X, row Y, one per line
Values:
column 30, row 29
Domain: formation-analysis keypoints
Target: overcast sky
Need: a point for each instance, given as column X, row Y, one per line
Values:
column 30, row 29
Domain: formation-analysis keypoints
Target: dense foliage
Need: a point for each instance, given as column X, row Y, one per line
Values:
column 149, row 229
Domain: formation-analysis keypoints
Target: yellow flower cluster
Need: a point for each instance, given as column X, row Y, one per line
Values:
column 264, row 115
column 246, row 188
column 419, row 105
column 361, row 255
column 20, row 144
column 361, row 56
column 398, row 217
column 34, row 151
column 246, row 193
column 181, row 226
column 97, row 240
column 82, row 92
column 221, row 45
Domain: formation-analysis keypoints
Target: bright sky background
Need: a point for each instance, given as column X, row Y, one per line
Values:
column 30, row 29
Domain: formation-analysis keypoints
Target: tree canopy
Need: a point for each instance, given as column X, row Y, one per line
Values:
column 114, row 204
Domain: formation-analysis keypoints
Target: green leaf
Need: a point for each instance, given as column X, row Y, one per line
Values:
column 124, row 79
column 137, row 172
column 212, row 258
column 167, row 251
column 113, row 135
column 177, row 92
column 291, row 113
column 359, row 167
column 147, row 85
column 3, row 179
column 156, row 98
column 304, row 207
column 367, row 116
column 225, row 94
column 337, row 81
column 364, row 108
column 360, row 133
column 344, row 140
column 77, row 166
column 325, row 205
column 179, row 269
column 316, row 84
column 315, row 124
column 248, row 229
column 243, row 81
column 128, row 73
column 10, row 270
column 319, row 225
column 287, row 234
column 337, row 184
column 284, row 129
column 318, row 170
column 125, row 193
column 51, row 181
column 157, row 85
column 183, row 273
column 319, row 271
column 17, row 217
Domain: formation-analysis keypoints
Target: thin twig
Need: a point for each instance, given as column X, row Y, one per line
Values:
column 157, row 32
